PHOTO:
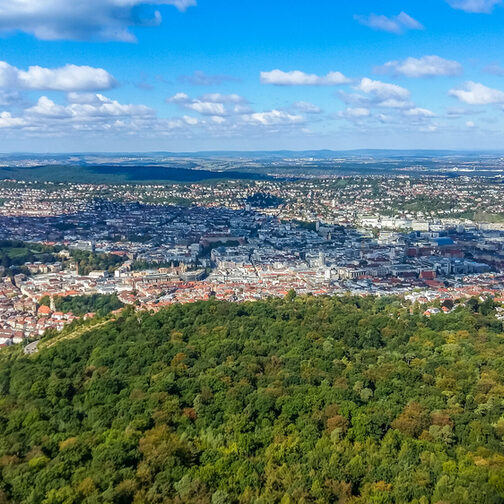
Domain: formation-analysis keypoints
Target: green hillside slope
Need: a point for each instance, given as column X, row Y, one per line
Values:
column 302, row 400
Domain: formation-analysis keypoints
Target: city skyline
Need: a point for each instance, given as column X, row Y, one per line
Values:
column 187, row 75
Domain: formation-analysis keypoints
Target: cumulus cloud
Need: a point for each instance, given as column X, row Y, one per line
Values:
column 83, row 113
column 393, row 24
column 475, row 93
column 220, row 98
column 85, row 98
column 375, row 93
column 394, row 103
column 210, row 104
column 307, row 108
column 475, row 6
column 192, row 121
column 427, row 66
column 419, row 112
column 66, row 78
column 273, row 117
column 97, row 106
column 179, row 98
column 7, row 121
column 81, row 20
column 93, row 116
column 207, row 108
column 354, row 113
column 359, row 100
column 298, row 78
column 383, row 90
column 385, row 118
column 47, row 108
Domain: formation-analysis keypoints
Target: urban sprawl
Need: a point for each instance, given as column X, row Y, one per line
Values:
column 427, row 238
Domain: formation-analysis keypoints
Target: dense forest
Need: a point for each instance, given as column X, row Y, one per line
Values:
column 300, row 400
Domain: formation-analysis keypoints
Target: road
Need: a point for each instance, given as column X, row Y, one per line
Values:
column 31, row 348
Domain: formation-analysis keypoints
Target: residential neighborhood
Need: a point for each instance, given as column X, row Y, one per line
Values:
column 245, row 242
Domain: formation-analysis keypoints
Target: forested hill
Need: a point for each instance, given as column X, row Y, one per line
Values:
column 301, row 400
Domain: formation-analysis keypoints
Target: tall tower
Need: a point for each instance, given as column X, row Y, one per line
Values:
column 322, row 258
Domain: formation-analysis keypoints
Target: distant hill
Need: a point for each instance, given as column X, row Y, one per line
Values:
column 320, row 153
column 159, row 167
column 117, row 174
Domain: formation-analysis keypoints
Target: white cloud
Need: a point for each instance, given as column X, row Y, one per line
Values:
column 307, row 108
column 242, row 109
column 394, row 104
column 378, row 94
column 179, row 98
column 98, row 106
column 232, row 114
column 80, row 20
column 475, row 93
column 427, row 66
column 192, row 121
column 95, row 118
column 383, row 90
column 207, row 108
column 220, row 98
column 384, row 118
column 298, row 78
column 355, row 113
column 212, row 104
column 66, row 78
column 470, row 124
column 393, row 24
column 86, row 98
column 475, row 6
column 47, row 108
column 273, row 117
column 419, row 112
column 7, row 121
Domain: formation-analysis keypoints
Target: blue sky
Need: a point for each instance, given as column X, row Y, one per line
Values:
column 187, row 75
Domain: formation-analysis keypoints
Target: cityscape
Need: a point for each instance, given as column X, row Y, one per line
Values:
column 427, row 238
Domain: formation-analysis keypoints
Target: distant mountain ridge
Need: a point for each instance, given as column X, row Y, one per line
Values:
column 168, row 167
column 322, row 153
